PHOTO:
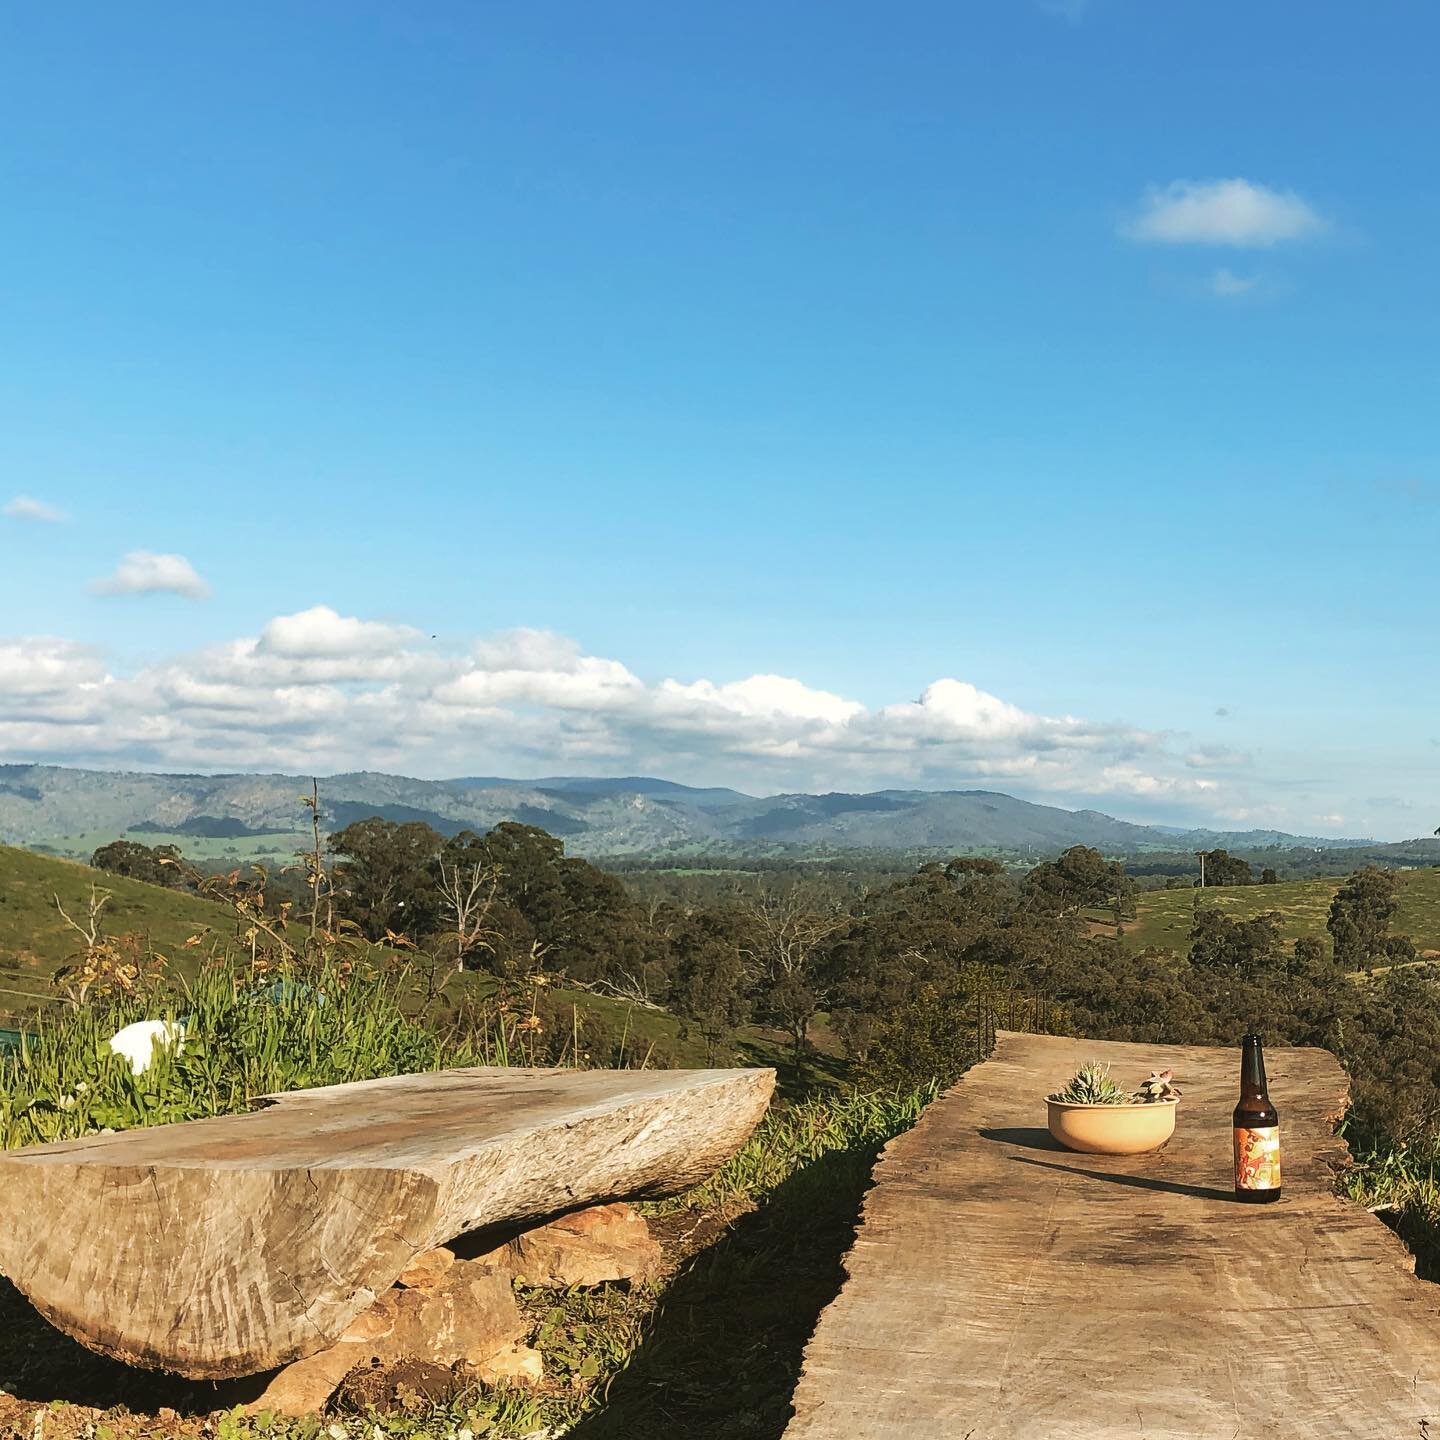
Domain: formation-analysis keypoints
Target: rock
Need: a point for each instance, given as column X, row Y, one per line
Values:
column 516, row 1364
column 589, row 1247
column 304, row 1387
column 427, row 1269
column 375, row 1323
column 467, row 1317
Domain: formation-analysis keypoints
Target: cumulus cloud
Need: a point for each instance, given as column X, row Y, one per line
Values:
column 143, row 572
column 321, row 634
column 321, row 690
column 27, row 507
column 1221, row 212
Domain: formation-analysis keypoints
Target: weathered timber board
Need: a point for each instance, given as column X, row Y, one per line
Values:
column 999, row 1288
column 224, row 1247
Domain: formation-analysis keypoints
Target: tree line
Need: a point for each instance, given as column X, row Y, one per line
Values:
column 895, row 968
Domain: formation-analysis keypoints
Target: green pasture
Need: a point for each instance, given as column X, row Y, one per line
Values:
column 278, row 847
column 1163, row 917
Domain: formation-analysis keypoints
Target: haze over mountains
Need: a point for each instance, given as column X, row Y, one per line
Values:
column 39, row 804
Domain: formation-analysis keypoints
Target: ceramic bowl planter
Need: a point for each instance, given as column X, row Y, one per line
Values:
column 1112, row 1129
column 1095, row 1115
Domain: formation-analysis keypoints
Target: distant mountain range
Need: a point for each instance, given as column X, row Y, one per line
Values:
column 57, row 808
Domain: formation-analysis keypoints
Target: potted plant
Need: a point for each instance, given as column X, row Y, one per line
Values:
column 1095, row 1114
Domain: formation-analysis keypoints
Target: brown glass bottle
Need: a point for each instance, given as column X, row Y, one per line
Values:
column 1257, row 1131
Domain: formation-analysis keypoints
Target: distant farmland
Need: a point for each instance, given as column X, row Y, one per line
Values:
column 1164, row 916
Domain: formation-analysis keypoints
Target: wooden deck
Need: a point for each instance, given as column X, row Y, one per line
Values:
column 1000, row 1287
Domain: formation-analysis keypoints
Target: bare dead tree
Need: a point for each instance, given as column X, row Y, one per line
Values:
column 88, row 967
column 784, row 954
column 315, row 872
column 628, row 987
column 89, row 929
column 467, row 897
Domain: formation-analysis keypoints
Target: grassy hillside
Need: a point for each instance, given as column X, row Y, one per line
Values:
column 35, row 941
column 1164, row 916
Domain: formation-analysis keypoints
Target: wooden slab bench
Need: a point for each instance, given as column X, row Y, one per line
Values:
column 1000, row 1287
column 224, row 1247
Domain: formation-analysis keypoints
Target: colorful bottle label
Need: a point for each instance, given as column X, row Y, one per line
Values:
column 1257, row 1158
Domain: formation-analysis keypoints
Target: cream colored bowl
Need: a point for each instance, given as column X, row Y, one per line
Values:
column 1112, row 1129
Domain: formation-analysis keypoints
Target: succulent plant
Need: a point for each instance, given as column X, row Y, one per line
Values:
column 1091, row 1085
column 1160, row 1086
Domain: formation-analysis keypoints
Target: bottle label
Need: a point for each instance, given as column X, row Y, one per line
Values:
column 1257, row 1158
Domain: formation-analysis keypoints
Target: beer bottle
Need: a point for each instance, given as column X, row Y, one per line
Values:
column 1257, row 1131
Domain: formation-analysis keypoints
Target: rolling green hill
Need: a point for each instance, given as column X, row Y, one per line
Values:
column 1164, row 916
column 35, row 941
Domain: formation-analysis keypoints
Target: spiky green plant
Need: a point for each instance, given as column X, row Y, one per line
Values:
column 1091, row 1085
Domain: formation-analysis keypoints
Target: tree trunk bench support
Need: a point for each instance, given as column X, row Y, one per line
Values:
column 1000, row 1288
column 225, row 1247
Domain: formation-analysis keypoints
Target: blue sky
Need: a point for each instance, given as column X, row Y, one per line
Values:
column 563, row 388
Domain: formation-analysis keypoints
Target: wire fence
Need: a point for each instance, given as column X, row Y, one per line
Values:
column 1006, row 1009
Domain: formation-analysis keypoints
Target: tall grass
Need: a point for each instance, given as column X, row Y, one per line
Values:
column 244, row 1036
column 853, row 1126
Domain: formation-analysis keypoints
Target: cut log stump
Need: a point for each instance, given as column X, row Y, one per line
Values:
column 226, row 1247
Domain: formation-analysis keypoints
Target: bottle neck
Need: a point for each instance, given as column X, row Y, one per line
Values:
column 1252, row 1070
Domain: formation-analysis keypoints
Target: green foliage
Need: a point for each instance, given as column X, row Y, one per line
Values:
column 386, row 879
column 1360, row 917
column 790, row 1139
column 244, row 1037
column 1219, row 943
column 152, row 864
column 1220, row 867
column 1092, row 1084
column 1080, row 877
column 1164, row 917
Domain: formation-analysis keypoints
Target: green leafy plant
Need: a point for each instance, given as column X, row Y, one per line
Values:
column 1091, row 1084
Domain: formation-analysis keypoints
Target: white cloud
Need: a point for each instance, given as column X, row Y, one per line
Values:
column 1221, row 212
column 318, row 690
column 27, row 507
column 321, row 634
column 45, row 676
column 1131, row 780
column 143, row 572
column 1229, row 286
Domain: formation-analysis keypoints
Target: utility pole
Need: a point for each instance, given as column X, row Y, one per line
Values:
column 1200, row 854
